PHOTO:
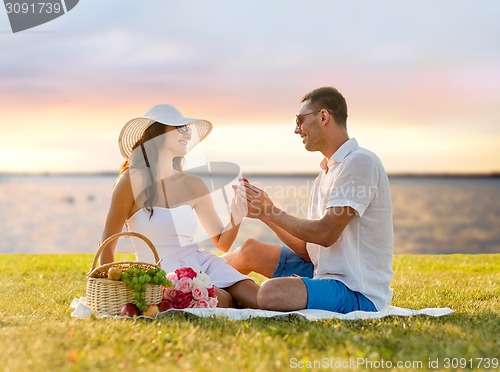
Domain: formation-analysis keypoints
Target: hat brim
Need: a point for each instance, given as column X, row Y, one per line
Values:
column 133, row 130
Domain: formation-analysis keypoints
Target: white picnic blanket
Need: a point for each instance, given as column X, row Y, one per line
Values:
column 81, row 310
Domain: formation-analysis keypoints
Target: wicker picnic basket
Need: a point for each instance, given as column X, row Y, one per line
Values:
column 106, row 296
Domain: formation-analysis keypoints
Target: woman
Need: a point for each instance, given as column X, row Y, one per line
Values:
column 154, row 197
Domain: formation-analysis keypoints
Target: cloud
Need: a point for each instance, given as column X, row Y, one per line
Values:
column 418, row 64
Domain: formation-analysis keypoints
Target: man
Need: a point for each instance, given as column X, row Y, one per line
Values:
column 340, row 257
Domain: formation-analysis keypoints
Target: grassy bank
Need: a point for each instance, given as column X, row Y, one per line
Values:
column 37, row 332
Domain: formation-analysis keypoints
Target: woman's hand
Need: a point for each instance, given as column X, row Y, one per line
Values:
column 239, row 208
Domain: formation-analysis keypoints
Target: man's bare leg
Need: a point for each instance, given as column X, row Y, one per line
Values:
column 255, row 256
column 283, row 294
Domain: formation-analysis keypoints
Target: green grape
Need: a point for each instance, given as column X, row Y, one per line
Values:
column 138, row 278
column 142, row 304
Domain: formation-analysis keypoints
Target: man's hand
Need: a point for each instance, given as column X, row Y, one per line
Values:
column 258, row 202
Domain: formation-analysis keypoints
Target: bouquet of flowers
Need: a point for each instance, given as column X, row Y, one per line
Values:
column 189, row 289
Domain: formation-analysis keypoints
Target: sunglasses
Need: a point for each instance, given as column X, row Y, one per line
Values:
column 184, row 129
column 299, row 119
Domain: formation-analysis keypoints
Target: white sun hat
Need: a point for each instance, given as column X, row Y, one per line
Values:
column 164, row 114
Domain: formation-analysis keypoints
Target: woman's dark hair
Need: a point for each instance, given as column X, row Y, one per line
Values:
column 148, row 166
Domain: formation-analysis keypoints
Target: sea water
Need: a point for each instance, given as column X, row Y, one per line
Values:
column 66, row 214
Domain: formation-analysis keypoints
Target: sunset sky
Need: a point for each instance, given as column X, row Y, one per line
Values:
column 421, row 78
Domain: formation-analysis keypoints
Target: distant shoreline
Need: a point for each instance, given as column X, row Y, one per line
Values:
column 262, row 174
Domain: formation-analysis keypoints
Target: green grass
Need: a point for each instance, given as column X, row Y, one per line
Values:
column 37, row 332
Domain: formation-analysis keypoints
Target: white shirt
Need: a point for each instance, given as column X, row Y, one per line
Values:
column 362, row 256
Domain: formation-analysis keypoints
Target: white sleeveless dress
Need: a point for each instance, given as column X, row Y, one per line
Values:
column 171, row 231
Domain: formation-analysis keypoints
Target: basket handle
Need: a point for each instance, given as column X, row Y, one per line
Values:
column 124, row 233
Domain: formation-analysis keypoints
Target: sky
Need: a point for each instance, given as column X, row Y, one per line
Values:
column 421, row 79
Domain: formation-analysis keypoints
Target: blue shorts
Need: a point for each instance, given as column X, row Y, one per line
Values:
column 292, row 264
column 324, row 294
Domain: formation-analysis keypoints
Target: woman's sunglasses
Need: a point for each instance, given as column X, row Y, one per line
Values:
column 184, row 129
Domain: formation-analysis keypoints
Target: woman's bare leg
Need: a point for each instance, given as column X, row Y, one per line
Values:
column 244, row 294
column 224, row 299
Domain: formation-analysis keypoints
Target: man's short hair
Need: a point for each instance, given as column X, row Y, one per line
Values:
column 331, row 99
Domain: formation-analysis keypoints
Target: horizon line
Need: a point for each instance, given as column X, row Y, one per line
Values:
column 493, row 174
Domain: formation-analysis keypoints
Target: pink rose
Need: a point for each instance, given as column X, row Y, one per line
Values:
column 182, row 301
column 212, row 301
column 184, row 272
column 172, row 277
column 211, row 291
column 184, row 285
column 201, row 304
column 169, row 293
column 200, row 293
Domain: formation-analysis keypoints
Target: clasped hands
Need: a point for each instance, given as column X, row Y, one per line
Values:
column 251, row 201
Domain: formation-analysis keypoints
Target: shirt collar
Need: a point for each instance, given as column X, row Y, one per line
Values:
column 342, row 152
